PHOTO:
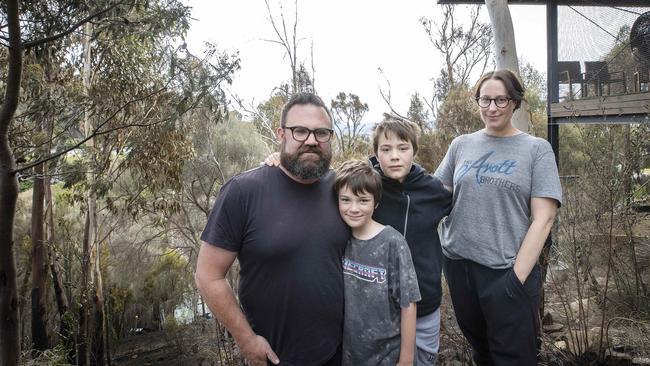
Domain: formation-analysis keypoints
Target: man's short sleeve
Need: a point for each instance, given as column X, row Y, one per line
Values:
column 226, row 223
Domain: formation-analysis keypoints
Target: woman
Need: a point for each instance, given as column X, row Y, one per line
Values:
column 506, row 191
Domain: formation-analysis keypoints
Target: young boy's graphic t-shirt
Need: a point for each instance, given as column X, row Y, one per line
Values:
column 379, row 280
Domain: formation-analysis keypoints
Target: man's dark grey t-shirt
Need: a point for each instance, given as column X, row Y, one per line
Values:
column 379, row 280
column 289, row 239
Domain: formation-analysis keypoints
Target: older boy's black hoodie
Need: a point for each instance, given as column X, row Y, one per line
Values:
column 414, row 208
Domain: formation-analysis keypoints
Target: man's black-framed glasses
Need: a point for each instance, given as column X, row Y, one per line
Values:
column 500, row 102
column 301, row 134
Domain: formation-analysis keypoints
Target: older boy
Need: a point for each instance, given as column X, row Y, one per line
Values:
column 413, row 203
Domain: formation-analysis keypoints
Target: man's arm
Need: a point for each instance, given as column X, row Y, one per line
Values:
column 407, row 329
column 212, row 266
column 543, row 212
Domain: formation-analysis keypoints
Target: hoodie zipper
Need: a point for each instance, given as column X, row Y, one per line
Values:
column 406, row 216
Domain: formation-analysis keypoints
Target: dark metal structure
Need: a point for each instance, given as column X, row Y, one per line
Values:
column 621, row 3
column 632, row 108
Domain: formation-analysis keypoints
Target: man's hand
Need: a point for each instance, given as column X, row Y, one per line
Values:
column 257, row 351
column 211, row 267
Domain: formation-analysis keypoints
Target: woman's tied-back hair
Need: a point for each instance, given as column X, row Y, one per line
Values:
column 405, row 130
column 513, row 85
column 359, row 177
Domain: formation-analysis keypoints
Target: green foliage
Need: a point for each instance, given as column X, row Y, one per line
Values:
column 159, row 157
column 52, row 357
column 267, row 118
column 535, row 85
column 418, row 114
column 237, row 146
column 167, row 281
column 25, row 185
column 304, row 82
column 348, row 111
column 120, row 298
column 458, row 115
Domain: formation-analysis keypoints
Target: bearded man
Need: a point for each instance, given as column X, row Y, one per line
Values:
column 284, row 228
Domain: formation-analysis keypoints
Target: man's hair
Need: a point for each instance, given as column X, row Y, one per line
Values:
column 359, row 177
column 513, row 85
column 302, row 98
column 405, row 130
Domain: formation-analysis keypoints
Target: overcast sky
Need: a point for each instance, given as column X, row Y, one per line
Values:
column 351, row 40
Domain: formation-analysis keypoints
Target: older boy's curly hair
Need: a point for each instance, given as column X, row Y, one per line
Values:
column 359, row 177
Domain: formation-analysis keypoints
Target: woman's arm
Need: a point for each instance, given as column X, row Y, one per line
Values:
column 407, row 328
column 543, row 211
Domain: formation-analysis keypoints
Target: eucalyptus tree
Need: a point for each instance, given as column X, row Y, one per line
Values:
column 348, row 111
column 458, row 115
column 116, row 101
column 466, row 47
column 158, row 83
column 505, row 51
column 418, row 112
column 10, row 36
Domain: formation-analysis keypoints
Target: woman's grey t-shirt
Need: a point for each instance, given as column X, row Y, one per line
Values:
column 379, row 280
column 493, row 180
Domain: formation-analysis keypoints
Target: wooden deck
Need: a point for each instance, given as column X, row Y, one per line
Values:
column 603, row 109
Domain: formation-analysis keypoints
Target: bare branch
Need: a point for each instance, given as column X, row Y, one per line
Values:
column 268, row 133
column 290, row 46
column 386, row 95
column 313, row 69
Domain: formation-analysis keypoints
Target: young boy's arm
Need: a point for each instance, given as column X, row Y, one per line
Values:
column 407, row 328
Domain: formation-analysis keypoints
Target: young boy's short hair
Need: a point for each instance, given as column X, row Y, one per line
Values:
column 405, row 130
column 359, row 177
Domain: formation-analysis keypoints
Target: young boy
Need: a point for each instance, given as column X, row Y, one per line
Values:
column 413, row 203
column 378, row 275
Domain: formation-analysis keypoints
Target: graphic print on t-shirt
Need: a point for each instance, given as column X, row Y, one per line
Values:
column 364, row 272
column 483, row 165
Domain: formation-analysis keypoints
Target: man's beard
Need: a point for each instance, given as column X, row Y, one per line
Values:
column 306, row 169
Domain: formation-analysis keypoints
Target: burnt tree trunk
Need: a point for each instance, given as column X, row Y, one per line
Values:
column 39, row 270
column 107, row 343
column 99, row 318
column 23, row 291
column 62, row 304
column 82, row 332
